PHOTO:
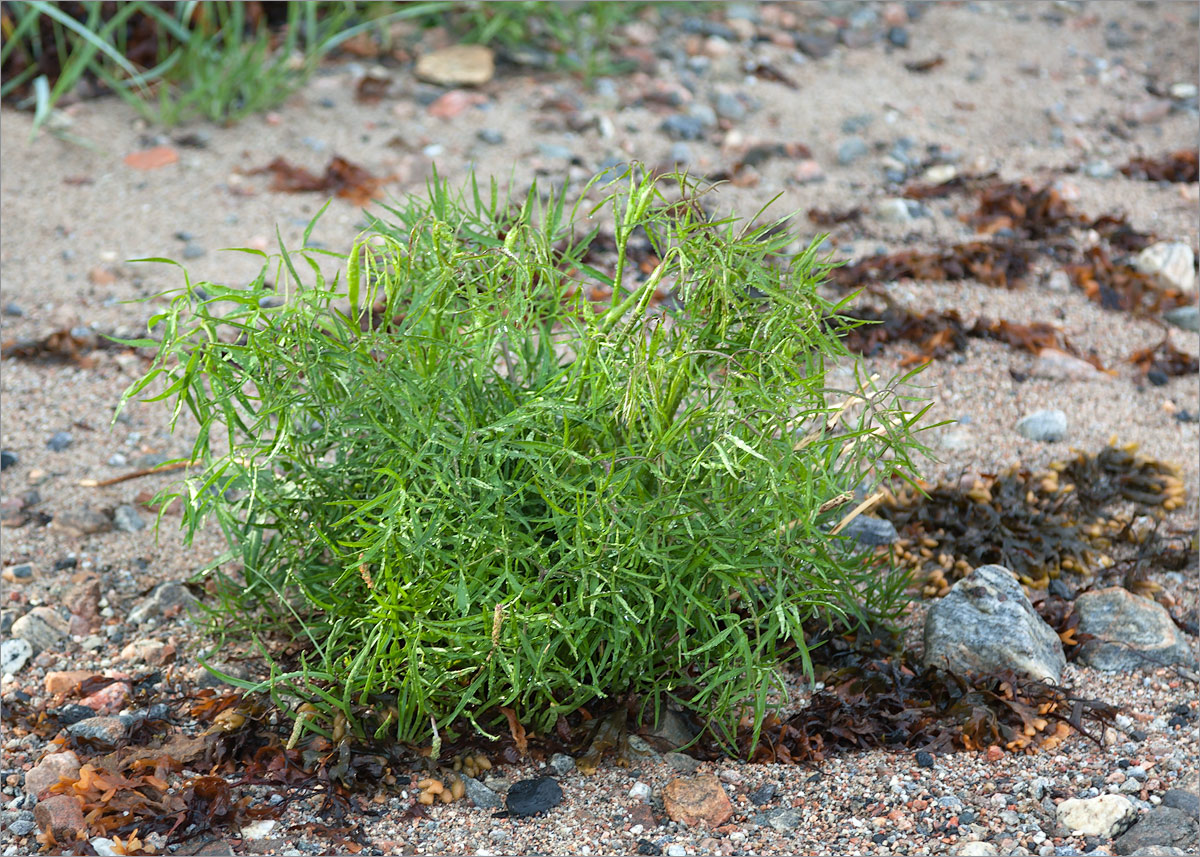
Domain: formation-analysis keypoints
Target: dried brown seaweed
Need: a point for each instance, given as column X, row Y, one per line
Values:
column 1179, row 166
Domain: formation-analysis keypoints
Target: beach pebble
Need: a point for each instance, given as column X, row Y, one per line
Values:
column 681, row 762
column 1171, row 263
column 59, row 441
column 458, row 65
column 14, row 654
column 1185, row 317
column 1107, row 815
column 42, row 627
column 871, row 531
column 49, row 771
column 61, row 815
column 530, row 797
column 1057, row 365
column 7, row 459
column 166, row 596
column 480, row 795
column 986, row 623
column 490, row 136
column 697, row 801
column 640, row 791
column 562, row 764
column 851, row 149
column 127, row 519
column 1047, row 426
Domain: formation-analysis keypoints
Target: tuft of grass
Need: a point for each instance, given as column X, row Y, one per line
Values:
column 178, row 61
column 453, row 483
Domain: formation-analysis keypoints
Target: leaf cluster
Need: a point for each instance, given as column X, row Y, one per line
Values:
column 458, row 484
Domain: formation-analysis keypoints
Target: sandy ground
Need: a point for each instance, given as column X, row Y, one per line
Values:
column 1017, row 93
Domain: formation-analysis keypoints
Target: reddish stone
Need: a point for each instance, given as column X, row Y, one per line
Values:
column 108, row 699
column 995, row 753
column 697, row 801
column 640, row 813
column 152, row 159
column 455, row 102
column 65, row 681
column 47, row 773
column 62, row 816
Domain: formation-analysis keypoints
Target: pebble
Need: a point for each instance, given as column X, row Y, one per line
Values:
column 851, row 149
column 15, row 652
column 814, row 46
column 105, row 731
column 1107, row 815
column 127, row 519
column 940, row 173
column 683, row 127
column 1129, row 632
column 697, row 801
column 1185, row 317
column 977, row 849
column 61, row 815
column 897, row 210
column 729, row 106
column 763, row 794
column 808, row 171
column 1183, row 91
column 676, row 851
column 681, row 762
column 7, row 459
column 193, row 251
column 555, row 152
column 898, row 36
column 164, row 597
column 49, row 771
column 924, row 759
column 680, row 154
column 640, row 791
column 490, row 136
column 59, row 441
column 562, row 764
column 871, row 531
column 480, row 795
column 1171, row 263
column 43, row 628
column 22, row 573
column 458, row 65
column 1047, row 426
column 1146, row 111
column 1059, row 366
column 781, row 820
column 13, row 309
column 1099, row 169
column 530, row 797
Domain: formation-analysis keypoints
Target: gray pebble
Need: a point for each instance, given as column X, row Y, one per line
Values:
column 1185, row 317
column 490, row 136
column 185, row 237
column 193, row 251
column 1047, row 426
column 681, row 762
column 60, row 440
column 7, row 459
column 550, row 150
column 562, row 764
column 106, row 732
column 871, row 531
column 851, row 149
column 480, row 795
column 23, row 825
column 1182, row 799
column 729, row 106
column 1099, row 169
column 782, row 820
column 858, row 122
column 127, row 519
column 42, row 627
column 13, row 309
column 682, row 127
column 163, row 598
column 680, row 154
column 898, row 36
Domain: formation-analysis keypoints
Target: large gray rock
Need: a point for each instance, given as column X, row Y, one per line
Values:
column 1130, row 632
column 986, row 623
column 1161, row 826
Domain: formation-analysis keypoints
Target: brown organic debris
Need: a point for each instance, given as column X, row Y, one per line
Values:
column 1121, row 287
column 1179, row 166
column 347, row 180
column 61, row 347
column 1165, row 359
column 1003, row 265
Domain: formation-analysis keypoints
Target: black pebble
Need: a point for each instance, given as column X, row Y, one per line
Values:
column 1157, row 377
column 645, row 846
column 65, row 563
column 924, row 759
column 529, row 797
column 879, row 838
column 1137, row 735
column 7, row 459
column 70, row 714
column 1182, row 709
column 1122, row 763
column 1177, row 721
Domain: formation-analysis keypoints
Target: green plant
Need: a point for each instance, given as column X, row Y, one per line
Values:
column 214, row 60
column 459, row 485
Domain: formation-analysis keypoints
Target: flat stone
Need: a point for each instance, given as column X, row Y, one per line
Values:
column 681, row 762
column 458, row 65
column 43, row 628
column 531, row 797
column 1107, row 815
column 782, row 820
column 871, row 531
column 153, row 652
column 1130, row 632
column 1183, row 799
column 84, row 521
column 851, row 149
column 105, row 732
column 65, row 681
column 127, row 519
column 673, row 728
column 61, row 815
column 14, row 654
column 697, row 801
column 977, row 849
column 1056, row 365
column 47, row 773
column 986, row 623
column 59, row 441
column 1171, row 263
column 562, row 764
column 1161, row 826
column 172, row 597
column 1047, row 426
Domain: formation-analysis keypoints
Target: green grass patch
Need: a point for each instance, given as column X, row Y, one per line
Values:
column 450, row 482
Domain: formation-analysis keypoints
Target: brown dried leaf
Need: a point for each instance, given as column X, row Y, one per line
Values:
column 516, row 730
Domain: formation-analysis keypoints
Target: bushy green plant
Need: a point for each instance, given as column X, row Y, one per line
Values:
column 458, row 484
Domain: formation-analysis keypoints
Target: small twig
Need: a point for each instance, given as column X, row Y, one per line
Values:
column 137, row 474
column 858, row 510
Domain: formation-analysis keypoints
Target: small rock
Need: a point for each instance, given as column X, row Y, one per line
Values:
column 171, row 596
column 1047, row 426
column 555, row 152
column 871, row 531
column 697, row 801
column 1130, row 632
column 62, row 816
column 530, row 797
column 562, row 764
column 986, row 623
column 782, row 820
column 14, row 654
column 127, row 519
column 940, row 173
column 490, row 136
column 480, row 795
column 763, row 794
column 729, row 106
column 640, row 791
column 43, row 628
column 924, row 759
column 13, row 310
column 59, row 682
column 1185, row 317
column 260, row 829
column 893, row 210
column 683, row 127
column 105, row 732
column 977, row 849
column 680, row 154
column 59, row 441
column 816, row 47
column 153, row 652
column 1171, row 263
column 1107, row 815
column 7, row 459
column 1183, row 91
column 676, row 850
column 851, row 149
column 109, row 699
column 459, row 65
column 454, row 103
column 22, row 573
column 808, row 171
column 47, row 773
column 681, row 762
column 23, row 825
column 1099, row 169
column 84, row 521
column 898, row 36
column 1058, row 365
column 1146, row 111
